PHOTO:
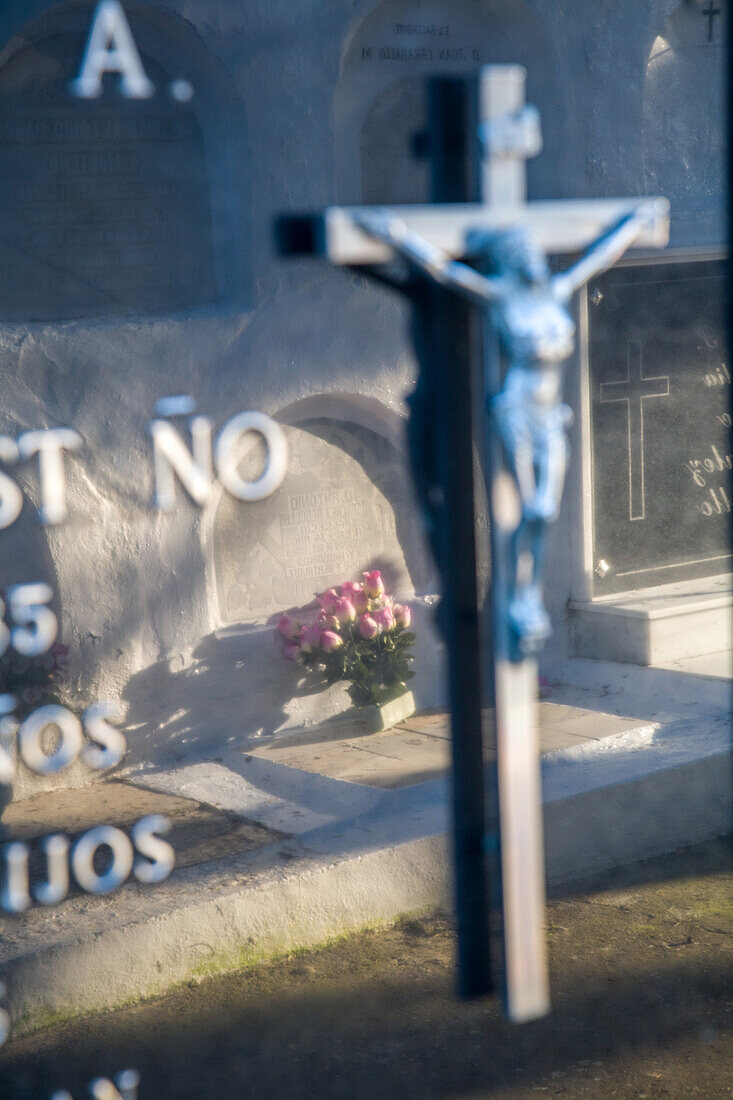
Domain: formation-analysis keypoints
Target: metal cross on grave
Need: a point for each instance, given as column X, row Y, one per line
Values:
column 465, row 404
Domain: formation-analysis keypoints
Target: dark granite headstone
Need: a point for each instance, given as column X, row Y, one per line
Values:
column 104, row 203
column 660, row 387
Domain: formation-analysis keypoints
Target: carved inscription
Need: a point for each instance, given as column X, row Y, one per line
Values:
column 710, row 466
column 104, row 203
column 316, row 526
column 328, row 519
column 661, row 424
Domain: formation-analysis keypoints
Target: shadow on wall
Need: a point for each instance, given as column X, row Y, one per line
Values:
column 239, row 690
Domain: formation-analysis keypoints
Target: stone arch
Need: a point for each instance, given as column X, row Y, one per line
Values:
column 684, row 113
column 346, row 505
column 379, row 97
column 115, row 206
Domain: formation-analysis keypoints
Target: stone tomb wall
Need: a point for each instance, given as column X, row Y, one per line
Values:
column 137, row 263
column 240, row 328
column 345, row 506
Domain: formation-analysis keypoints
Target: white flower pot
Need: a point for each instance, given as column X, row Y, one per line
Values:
column 391, row 713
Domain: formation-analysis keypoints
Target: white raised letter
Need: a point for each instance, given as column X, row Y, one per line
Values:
column 50, row 445
column 56, row 887
column 111, row 49
column 113, row 743
column 8, row 729
column 11, row 498
column 4, row 1017
column 275, row 465
column 161, row 853
column 82, row 859
column 172, row 457
column 127, row 1082
column 35, row 625
column 31, row 748
column 15, row 897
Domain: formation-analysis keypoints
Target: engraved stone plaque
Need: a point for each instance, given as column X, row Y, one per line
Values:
column 380, row 104
column 344, row 507
column 104, row 203
column 660, row 388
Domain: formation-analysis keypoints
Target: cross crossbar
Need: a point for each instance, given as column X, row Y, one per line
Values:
column 560, row 227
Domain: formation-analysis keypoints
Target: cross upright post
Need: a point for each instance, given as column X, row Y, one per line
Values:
column 510, row 133
column 503, row 384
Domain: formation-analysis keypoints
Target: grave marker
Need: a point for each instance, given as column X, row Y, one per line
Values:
column 660, row 422
column 104, row 201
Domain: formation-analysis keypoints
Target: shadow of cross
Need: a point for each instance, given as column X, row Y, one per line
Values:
column 633, row 390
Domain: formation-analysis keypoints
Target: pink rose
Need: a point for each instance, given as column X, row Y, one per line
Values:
column 328, row 622
column 344, row 610
column 310, row 637
column 403, row 615
column 291, row 651
column 289, row 627
column 330, row 640
column 384, row 618
column 373, row 584
column 368, row 628
column 354, row 591
column 328, row 601
column 360, row 601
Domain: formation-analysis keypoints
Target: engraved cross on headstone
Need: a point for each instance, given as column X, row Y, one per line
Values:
column 710, row 12
column 455, row 375
column 633, row 391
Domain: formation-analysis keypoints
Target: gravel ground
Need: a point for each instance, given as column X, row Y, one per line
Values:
column 642, row 979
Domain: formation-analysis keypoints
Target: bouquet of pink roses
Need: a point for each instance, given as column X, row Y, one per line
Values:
column 356, row 633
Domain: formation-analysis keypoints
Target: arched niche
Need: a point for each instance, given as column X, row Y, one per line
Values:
column 345, row 506
column 115, row 206
column 684, row 121
column 379, row 104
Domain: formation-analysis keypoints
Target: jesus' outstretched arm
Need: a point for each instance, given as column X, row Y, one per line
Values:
column 428, row 258
column 609, row 247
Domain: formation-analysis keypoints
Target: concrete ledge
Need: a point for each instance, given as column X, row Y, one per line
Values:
column 655, row 625
column 603, row 807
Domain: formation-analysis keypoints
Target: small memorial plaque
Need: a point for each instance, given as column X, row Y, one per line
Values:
column 104, row 204
column 660, row 393
column 344, row 507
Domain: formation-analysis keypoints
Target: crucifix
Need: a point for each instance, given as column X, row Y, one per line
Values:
column 492, row 329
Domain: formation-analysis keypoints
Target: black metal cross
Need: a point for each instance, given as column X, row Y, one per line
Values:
column 710, row 12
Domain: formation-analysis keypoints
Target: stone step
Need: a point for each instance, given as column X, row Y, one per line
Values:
column 657, row 626
column 361, row 849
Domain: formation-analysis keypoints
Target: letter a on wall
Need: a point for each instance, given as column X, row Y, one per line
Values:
column 111, row 49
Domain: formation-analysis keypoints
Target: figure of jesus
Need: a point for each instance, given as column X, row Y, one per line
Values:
column 507, row 274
